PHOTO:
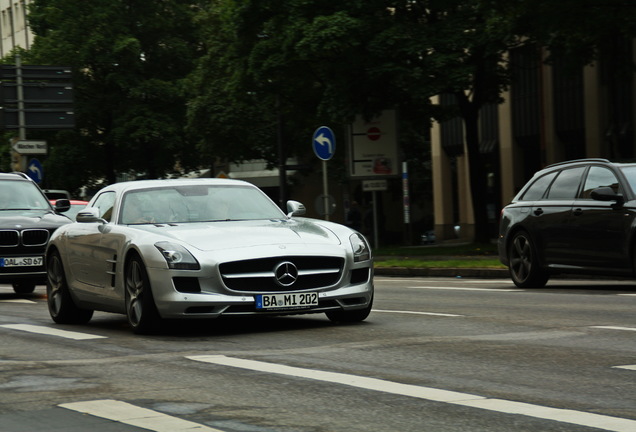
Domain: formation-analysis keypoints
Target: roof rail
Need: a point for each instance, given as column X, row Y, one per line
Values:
column 21, row 174
column 578, row 160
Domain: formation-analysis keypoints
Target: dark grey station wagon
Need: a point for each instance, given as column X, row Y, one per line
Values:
column 575, row 217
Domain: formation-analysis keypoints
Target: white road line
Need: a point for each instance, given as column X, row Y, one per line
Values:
column 628, row 367
column 52, row 331
column 464, row 288
column 126, row 413
column 581, row 418
column 627, row 295
column 614, row 328
column 16, row 301
column 416, row 313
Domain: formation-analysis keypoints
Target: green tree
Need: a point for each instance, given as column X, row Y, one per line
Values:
column 334, row 60
column 129, row 60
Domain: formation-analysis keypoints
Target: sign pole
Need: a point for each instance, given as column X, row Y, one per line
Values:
column 20, row 96
column 324, row 189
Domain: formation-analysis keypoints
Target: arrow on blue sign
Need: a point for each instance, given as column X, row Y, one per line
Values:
column 35, row 170
column 324, row 143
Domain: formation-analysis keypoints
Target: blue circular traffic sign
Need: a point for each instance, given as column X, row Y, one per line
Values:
column 35, row 170
column 324, row 143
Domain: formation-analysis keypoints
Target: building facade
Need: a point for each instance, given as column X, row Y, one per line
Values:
column 551, row 113
column 14, row 28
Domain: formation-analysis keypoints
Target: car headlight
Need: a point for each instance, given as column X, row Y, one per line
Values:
column 177, row 256
column 361, row 249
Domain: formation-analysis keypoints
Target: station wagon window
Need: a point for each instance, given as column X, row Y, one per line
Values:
column 599, row 177
column 566, row 185
column 538, row 188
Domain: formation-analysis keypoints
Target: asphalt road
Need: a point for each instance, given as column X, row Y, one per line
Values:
column 436, row 354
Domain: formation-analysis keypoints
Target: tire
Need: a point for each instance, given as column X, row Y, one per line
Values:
column 350, row 316
column 141, row 310
column 25, row 287
column 523, row 263
column 62, row 308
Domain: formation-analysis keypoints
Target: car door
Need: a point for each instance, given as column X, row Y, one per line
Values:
column 88, row 260
column 599, row 229
column 554, row 230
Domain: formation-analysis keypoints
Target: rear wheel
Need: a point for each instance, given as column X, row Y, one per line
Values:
column 350, row 316
column 25, row 287
column 141, row 311
column 525, row 269
column 62, row 308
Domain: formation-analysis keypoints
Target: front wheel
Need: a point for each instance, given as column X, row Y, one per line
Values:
column 62, row 308
column 141, row 311
column 350, row 316
column 525, row 269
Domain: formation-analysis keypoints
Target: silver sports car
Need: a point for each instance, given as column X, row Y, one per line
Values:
column 202, row 248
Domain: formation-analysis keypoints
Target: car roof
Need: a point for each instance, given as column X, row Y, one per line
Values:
column 149, row 184
column 15, row 176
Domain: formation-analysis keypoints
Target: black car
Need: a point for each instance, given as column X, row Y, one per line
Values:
column 576, row 217
column 27, row 221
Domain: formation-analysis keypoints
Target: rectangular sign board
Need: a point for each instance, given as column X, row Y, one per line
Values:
column 374, row 147
column 30, row 147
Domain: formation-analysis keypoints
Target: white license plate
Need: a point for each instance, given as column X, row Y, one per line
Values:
column 21, row 261
column 286, row 301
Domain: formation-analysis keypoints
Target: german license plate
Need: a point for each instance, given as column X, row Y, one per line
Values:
column 286, row 301
column 21, row 261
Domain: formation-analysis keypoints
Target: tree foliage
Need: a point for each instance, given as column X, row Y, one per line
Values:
column 245, row 76
column 129, row 60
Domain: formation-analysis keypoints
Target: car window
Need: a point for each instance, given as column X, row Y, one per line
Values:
column 599, row 177
column 196, row 203
column 566, row 185
column 21, row 195
column 104, row 203
column 538, row 188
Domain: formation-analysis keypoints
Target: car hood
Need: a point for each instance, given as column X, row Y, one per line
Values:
column 31, row 219
column 207, row 236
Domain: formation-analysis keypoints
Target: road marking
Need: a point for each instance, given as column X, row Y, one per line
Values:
column 580, row 418
column 416, row 313
column 626, row 295
column 628, row 367
column 129, row 414
column 52, row 331
column 464, row 288
column 614, row 328
column 16, row 301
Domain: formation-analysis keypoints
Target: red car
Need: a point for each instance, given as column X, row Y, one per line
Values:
column 76, row 206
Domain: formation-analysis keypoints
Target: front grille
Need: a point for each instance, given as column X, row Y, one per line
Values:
column 35, row 237
column 9, row 238
column 259, row 274
column 27, row 237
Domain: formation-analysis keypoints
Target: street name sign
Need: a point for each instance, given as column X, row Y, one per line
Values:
column 30, row 147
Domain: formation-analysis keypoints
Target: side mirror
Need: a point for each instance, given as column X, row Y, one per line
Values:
column 62, row 205
column 606, row 194
column 89, row 214
column 294, row 208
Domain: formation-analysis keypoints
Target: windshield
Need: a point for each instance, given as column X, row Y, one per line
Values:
column 197, row 203
column 21, row 195
column 630, row 175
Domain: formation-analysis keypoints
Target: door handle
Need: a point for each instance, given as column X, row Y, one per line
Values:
column 577, row 212
column 538, row 212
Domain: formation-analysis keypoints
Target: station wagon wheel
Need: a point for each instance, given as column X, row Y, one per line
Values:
column 525, row 269
column 62, row 308
column 141, row 311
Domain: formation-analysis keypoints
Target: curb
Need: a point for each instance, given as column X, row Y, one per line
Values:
column 443, row 272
